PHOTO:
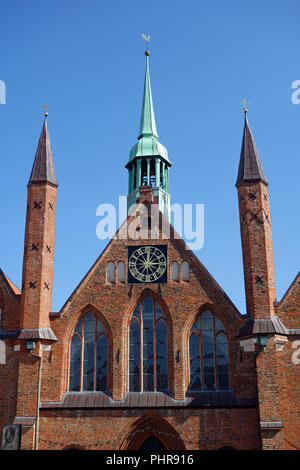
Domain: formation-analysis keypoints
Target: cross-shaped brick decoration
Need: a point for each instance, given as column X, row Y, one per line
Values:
column 37, row 205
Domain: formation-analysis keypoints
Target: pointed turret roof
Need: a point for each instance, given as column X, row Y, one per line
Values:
column 148, row 144
column 148, row 124
column 43, row 167
column 250, row 168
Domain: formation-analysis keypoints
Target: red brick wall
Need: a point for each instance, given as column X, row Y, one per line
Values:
column 8, row 371
column 288, row 309
column 257, row 248
column 288, row 362
column 8, row 387
column 268, row 382
column 38, row 265
column 289, row 386
column 107, row 429
column 11, row 307
column 114, row 304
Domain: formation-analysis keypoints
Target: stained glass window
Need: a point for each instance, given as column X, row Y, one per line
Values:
column 208, row 358
column 148, row 349
column 134, row 356
column 161, row 356
column 222, row 360
column 75, row 363
column 88, row 356
column 208, row 353
column 195, row 363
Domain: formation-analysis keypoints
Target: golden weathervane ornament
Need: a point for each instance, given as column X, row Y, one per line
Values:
column 244, row 102
column 46, row 106
column 147, row 39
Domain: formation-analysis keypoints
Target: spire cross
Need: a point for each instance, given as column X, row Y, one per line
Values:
column 46, row 106
column 147, row 39
column 244, row 102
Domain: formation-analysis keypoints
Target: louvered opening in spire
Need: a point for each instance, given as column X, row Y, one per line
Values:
column 43, row 167
column 250, row 168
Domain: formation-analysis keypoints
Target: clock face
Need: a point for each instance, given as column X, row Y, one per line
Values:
column 147, row 264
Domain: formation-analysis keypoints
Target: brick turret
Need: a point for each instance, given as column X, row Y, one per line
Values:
column 256, row 235
column 39, row 238
column 256, row 231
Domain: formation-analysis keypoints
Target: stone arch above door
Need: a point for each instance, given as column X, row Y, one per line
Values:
column 151, row 425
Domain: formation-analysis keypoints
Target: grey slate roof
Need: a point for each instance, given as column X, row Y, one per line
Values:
column 265, row 326
column 30, row 334
column 43, row 167
column 150, row 400
column 250, row 168
column 37, row 333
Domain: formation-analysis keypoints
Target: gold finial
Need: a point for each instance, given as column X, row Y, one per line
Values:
column 147, row 39
column 244, row 102
column 46, row 106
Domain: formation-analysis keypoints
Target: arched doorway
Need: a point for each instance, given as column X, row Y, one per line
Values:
column 151, row 432
column 152, row 443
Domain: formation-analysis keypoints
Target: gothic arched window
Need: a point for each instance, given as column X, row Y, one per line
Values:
column 88, row 356
column 208, row 351
column 148, row 349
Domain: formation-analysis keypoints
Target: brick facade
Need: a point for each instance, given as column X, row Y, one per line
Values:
column 259, row 410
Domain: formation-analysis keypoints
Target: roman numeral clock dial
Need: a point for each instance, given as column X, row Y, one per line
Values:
column 147, row 264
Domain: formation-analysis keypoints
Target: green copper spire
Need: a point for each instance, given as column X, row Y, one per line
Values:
column 148, row 163
column 148, row 144
column 148, row 124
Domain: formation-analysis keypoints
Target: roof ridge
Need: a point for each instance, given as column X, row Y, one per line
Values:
column 290, row 287
column 12, row 286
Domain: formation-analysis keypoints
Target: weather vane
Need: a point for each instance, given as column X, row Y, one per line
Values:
column 244, row 102
column 46, row 106
column 147, row 39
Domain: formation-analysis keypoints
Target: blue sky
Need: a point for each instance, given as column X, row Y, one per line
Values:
column 86, row 59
